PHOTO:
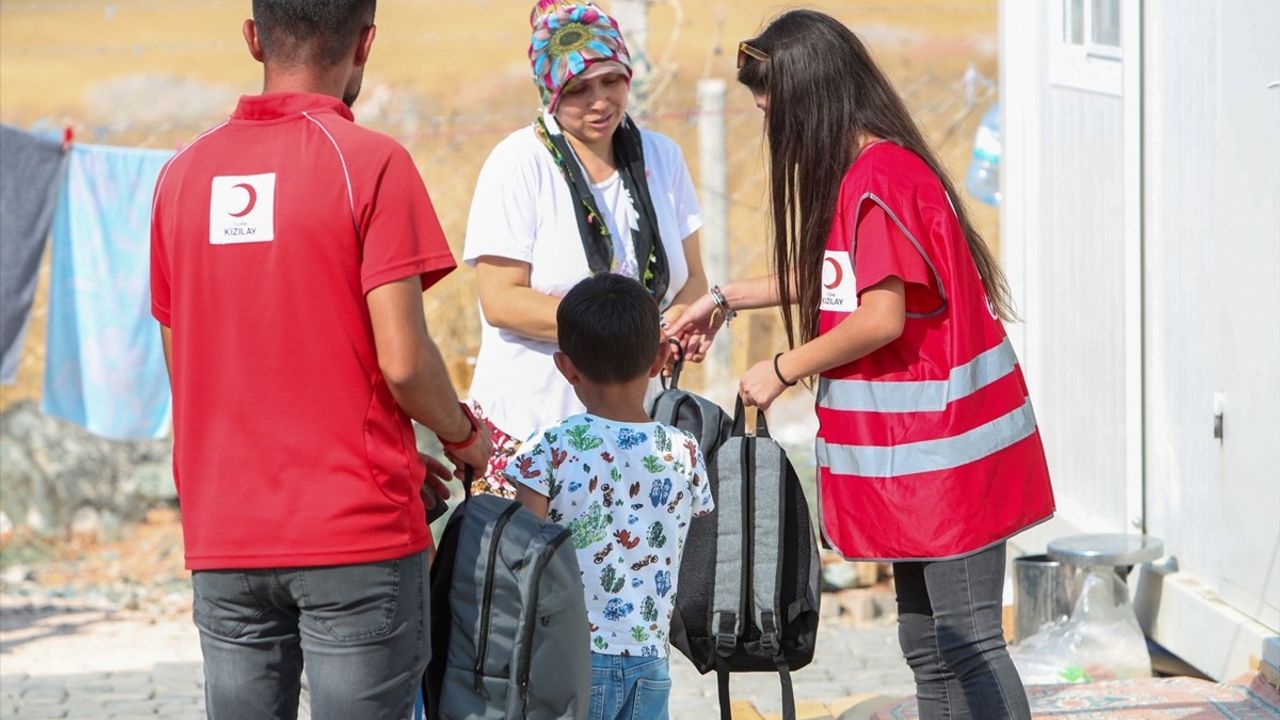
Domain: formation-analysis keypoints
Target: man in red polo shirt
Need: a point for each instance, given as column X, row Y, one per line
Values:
column 290, row 248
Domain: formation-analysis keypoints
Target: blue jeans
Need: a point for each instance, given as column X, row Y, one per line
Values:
column 359, row 630
column 629, row 688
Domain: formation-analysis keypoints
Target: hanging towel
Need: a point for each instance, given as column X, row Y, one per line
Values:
column 29, row 174
column 105, row 366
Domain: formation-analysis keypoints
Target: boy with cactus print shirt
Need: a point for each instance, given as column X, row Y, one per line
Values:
column 625, row 486
column 627, row 492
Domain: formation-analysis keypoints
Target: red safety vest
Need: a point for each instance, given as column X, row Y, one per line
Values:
column 927, row 448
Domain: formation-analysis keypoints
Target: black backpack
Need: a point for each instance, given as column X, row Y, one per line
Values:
column 729, row 615
column 705, row 420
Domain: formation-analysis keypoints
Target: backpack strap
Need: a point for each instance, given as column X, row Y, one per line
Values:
column 788, row 693
column 726, row 599
column 676, row 367
column 768, row 528
column 440, row 620
column 709, row 413
column 666, row 405
column 768, row 518
column 722, row 686
column 784, row 677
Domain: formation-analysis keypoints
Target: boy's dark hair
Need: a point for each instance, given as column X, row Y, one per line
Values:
column 310, row 32
column 608, row 325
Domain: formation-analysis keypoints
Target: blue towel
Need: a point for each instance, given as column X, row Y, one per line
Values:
column 105, row 364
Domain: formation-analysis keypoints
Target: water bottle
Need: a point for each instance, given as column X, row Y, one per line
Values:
column 983, row 177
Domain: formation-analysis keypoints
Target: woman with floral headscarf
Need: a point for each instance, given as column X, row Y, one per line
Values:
column 580, row 191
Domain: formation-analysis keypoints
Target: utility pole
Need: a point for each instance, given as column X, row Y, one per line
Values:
column 715, row 211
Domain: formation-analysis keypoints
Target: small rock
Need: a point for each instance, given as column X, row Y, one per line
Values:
column 18, row 574
column 35, row 519
column 86, row 524
column 830, row 608
column 154, row 482
column 6, row 528
column 858, row 607
column 863, row 606
column 838, row 574
column 161, row 516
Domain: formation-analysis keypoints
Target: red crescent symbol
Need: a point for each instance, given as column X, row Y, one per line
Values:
column 839, row 274
column 253, row 200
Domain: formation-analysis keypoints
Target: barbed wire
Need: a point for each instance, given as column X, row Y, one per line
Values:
column 450, row 148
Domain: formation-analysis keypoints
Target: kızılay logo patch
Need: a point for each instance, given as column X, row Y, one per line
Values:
column 839, row 290
column 242, row 209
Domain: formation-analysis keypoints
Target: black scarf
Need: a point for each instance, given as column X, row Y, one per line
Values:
column 628, row 155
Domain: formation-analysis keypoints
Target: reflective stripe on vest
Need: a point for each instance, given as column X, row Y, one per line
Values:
column 929, row 455
column 918, row 395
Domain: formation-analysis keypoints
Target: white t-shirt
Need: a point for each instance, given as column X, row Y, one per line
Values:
column 627, row 492
column 522, row 210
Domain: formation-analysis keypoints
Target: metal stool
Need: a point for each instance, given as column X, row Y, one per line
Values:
column 1118, row 551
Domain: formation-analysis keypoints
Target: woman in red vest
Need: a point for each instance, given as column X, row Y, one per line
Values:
column 928, row 452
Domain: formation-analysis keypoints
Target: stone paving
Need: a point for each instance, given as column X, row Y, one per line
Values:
column 168, row 690
column 67, row 679
column 851, row 660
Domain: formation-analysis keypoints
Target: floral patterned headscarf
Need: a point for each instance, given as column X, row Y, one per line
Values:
column 567, row 39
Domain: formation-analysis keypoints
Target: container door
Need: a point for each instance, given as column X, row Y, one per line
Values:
column 1247, row 238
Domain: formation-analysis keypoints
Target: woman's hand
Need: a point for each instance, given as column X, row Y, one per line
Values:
column 696, row 327
column 670, row 315
column 692, row 342
column 878, row 322
column 672, row 312
column 760, row 385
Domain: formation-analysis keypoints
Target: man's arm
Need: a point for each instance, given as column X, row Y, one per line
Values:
column 166, row 339
column 415, row 373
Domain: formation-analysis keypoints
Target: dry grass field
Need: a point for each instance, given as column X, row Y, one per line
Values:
column 450, row 79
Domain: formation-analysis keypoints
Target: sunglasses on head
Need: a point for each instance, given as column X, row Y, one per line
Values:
column 745, row 50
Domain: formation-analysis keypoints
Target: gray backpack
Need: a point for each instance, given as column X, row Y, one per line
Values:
column 749, row 579
column 509, row 635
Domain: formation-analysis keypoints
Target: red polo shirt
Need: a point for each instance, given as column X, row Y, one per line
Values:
column 267, row 232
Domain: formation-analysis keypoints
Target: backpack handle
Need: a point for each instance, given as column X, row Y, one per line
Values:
column 740, row 421
column 676, row 367
column 441, row 506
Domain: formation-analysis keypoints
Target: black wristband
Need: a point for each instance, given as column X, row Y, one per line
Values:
column 778, row 372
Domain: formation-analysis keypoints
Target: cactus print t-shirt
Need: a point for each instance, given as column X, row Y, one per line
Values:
column 627, row 492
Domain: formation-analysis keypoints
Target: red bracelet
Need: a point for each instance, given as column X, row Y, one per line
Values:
column 470, row 439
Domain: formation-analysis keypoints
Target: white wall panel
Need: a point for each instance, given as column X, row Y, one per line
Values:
column 1180, row 282
column 1142, row 238
column 1246, row 238
column 1076, row 327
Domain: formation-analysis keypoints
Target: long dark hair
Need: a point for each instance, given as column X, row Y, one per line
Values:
column 825, row 93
